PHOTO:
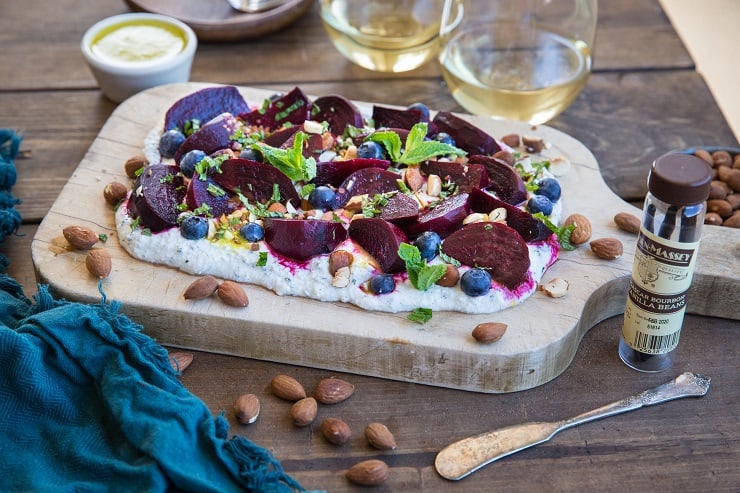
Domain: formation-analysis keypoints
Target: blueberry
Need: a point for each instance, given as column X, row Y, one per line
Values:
column 372, row 150
column 445, row 138
column 421, row 107
column 539, row 203
column 189, row 160
column 549, row 187
column 170, row 141
column 428, row 244
column 252, row 232
column 194, row 227
column 382, row 284
column 475, row 282
column 322, row 197
column 251, row 154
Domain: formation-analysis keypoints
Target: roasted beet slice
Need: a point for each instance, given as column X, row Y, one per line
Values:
column 301, row 239
column 400, row 209
column 157, row 193
column 335, row 172
column 385, row 117
column 443, row 219
column 211, row 137
column 531, row 228
column 312, row 145
column 293, row 107
column 505, row 181
column 207, row 192
column 367, row 181
column 465, row 176
column 467, row 136
column 494, row 247
column 255, row 181
column 337, row 111
column 204, row 105
column 279, row 137
column 381, row 240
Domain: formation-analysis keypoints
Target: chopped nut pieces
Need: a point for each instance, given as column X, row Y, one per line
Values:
column 489, row 332
column 247, row 408
column 555, row 288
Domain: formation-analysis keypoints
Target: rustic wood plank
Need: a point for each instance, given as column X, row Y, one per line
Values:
column 667, row 447
column 36, row 46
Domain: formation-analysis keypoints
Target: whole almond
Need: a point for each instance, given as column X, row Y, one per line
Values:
column 532, row 143
column 721, row 207
column 734, row 199
column 80, row 237
column 179, row 360
column 201, row 288
column 339, row 259
column 627, row 222
column 732, row 221
column 247, row 408
column 335, row 431
column 98, row 263
column 713, row 218
column 134, row 164
column 379, row 436
column 704, row 154
column 607, row 248
column 505, row 156
column 114, row 192
column 719, row 190
column 721, row 158
column 489, row 332
column 368, row 473
column 413, row 178
column 232, row 294
column 333, row 390
column 511, row 140
column 287, row 387
column 304, row 411
column 582, row 231
column 733, row 179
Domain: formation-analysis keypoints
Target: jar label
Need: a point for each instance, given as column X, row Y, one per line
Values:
column 656, row 302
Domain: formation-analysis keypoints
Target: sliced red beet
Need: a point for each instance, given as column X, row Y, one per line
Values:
column 385, row 117
column 465, row 176
column 213, row 136
column 400, row 209
column 157, row 193
column 467, row 136
column 335, row 172
column 494, row 247
column 201, row 192
column 301, row 239
column 204, row 105
column 505, row 182
column 338, row 111
column 368, row 181
column 293, row 107
column 312, row 145
column 381, row 240
column 531, row 228
column 255, row 181
column 443, row 219
column 279, row 137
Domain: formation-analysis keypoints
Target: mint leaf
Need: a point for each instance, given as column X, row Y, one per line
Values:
column 428, row 275
column 290, row 161
column 420, row 315
column 417, row 149
column 563, row 233
column 421, row 275
column 390, row 140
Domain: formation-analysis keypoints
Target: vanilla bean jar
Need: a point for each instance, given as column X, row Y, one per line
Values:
column 665, row 257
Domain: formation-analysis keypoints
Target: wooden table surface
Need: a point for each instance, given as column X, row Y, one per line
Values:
column 644, row 98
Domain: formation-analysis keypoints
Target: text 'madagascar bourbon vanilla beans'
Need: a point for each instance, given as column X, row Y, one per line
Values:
column 667, row 245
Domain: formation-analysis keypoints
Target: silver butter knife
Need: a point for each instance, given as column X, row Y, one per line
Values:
column 470, row 454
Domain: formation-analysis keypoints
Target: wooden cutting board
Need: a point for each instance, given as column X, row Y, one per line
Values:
column 543, row 333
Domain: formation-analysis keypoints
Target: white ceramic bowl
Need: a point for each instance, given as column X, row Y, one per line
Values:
column 120, row 77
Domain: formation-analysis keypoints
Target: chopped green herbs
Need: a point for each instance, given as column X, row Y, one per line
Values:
column 417, row 149
column 420, row 315
column 262, row 260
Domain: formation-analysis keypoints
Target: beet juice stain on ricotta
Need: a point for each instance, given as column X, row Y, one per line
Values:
column 678, row 187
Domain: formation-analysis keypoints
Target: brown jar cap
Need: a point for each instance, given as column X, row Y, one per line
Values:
column 680, row 179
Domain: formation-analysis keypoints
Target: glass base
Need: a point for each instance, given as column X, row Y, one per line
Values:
column 649, row 363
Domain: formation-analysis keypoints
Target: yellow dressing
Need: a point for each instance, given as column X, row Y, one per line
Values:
column 138, row 41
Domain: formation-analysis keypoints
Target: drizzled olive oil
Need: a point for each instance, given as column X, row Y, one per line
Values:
column 138, row 42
